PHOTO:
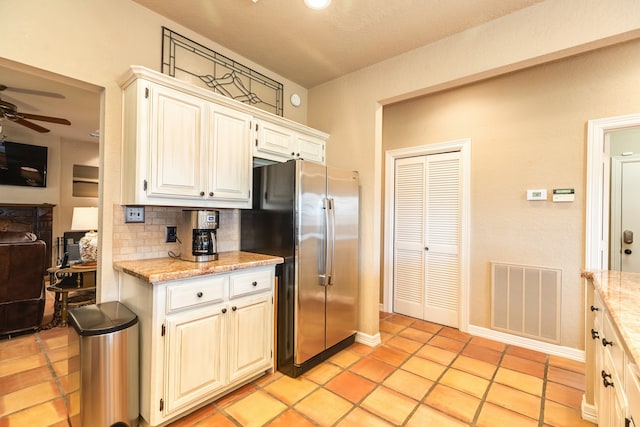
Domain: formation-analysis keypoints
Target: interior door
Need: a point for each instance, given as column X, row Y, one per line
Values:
column 625, row 213
column 427, row 237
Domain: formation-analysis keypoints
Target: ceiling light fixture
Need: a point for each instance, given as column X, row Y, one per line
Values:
column 317, row 4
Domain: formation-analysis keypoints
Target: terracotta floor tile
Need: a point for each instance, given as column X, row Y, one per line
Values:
column 446, row 343
column 568, row 378
column 525, row 353
column 235, row 395
column 409, row 384
column 493, row 416
column 454, row 334
column 268, row 378
column 389, row 355
column 524, row 382
column 291, row 418
column 422, row 325
column 291, row 390
column 483, row 353
column 475, row 367
column 20, row 380
column 416, row 335
column 255, row 409
column 345, row 358
column 515, row 400
column 52, row 411
column 351, row 386
column 487, row 343
column 26, row 345
column 453, row 402
column 404, row 344
column 216, row 420
column 425, row 368
column 400, row 319
column 360, row 348
column 194, row 417
column 21, row 399
column 62, row 353
column 523, row 365
column 556, row 414
column 361, row 418
column 372, row 369
column 390, row 405
column 324, row 407
column 562, row 394
column 427, row 416
column 13, row 366
column 70, row 382
column 389, row 327
column 323, row 372
column 66, row 366
column 437, row 354
column 385, row 336
column 465, row 382
column 568, row 364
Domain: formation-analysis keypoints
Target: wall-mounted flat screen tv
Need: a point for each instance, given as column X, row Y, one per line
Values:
column 23, row 164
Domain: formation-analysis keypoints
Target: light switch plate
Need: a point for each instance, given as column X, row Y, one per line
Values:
column 134, row 214
column 537, row 194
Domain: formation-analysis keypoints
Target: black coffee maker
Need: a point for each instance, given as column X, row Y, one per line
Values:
column 197, row 235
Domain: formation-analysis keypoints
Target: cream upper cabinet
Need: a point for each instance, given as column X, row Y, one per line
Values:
column 279, row 142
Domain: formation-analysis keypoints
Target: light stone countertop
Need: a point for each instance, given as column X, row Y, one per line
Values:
column 620, row 293
column 157, row 270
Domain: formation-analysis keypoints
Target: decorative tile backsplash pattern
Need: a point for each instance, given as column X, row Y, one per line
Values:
column 147, row 240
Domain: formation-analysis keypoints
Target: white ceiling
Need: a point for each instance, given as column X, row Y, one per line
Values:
column 306, row 46
column 311, row 47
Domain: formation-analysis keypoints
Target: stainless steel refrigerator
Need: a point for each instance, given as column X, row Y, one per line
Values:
column 308, row 214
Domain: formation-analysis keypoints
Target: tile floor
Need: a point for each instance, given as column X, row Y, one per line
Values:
column 423, row 374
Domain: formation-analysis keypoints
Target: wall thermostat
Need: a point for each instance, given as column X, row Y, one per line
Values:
column 537, row 194
column 563, row 194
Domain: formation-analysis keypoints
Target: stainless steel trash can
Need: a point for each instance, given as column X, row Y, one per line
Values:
column 108, row 335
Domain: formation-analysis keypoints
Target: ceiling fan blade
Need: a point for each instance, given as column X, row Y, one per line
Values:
column 32, row 92
column 30, row 125
column 46, row 119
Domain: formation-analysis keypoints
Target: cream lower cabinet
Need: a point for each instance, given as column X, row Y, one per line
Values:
column 610, row 366
column 200, row 338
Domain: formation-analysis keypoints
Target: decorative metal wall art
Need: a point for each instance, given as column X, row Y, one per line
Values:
column 190, row 61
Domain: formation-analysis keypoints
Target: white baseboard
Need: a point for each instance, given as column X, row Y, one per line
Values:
column 589, row 412
column 370, row 340
column 531, row 344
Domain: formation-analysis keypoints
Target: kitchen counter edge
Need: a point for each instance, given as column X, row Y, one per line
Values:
column 620, row 293
column 158, row 270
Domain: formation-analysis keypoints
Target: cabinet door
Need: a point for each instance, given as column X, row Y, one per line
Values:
column 176, row 144
column 612, row 411
column 310, row 148
column 229, row 155
column 195, row 355
column 275, row 140
column 250, row 336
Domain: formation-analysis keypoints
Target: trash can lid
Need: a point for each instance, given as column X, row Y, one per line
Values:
column 105, row 318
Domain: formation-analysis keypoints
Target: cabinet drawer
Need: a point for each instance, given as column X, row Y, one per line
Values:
column 196, row 292
column 250, row 282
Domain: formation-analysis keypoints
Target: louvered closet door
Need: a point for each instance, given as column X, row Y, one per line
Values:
column 427, row 237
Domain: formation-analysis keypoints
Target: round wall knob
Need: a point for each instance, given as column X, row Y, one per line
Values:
column 254, row 283
column 234, row 308
column 224, row 310
column 202, row 193
column 199, row 294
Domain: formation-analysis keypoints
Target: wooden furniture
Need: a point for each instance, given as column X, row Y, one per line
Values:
column 33, row 218
column 73, row 286
column 184, row 145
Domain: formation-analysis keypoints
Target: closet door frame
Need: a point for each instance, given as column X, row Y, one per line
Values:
column 464, row 147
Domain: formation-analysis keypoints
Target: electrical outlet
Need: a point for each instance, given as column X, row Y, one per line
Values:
column 171, row 234
column 134, row 214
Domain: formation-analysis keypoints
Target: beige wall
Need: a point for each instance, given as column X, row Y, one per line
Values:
column 91, row 44
column 349, row 108
column 528, row 132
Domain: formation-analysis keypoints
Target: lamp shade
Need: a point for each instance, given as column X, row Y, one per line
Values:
column 84, row 219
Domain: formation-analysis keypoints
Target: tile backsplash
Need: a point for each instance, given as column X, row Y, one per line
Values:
column 147, row 240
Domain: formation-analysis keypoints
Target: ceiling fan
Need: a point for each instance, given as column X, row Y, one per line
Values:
column 10, row 111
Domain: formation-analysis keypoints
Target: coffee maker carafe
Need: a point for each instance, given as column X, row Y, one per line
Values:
column 197, row 235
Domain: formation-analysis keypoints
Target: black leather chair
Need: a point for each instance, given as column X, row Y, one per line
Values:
column 22, row 273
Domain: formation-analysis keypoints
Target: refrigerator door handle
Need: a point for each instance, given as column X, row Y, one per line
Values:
column 325, row 276
column 331, row 242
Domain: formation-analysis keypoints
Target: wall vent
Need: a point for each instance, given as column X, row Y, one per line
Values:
column 526, row 300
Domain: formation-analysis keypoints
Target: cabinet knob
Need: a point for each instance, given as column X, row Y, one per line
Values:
column 224, row 310
column 234, row 308
column 298, row 154
column 254, row 283
column 211, row 194
column 293, row 154
column 594, row 308
column 199, row 294
column 606, row 343
column 594, row 334
column 604, row 374
column 202, row 193
column 607, row 383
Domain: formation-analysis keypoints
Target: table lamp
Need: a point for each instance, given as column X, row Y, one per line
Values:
column 86, row 219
